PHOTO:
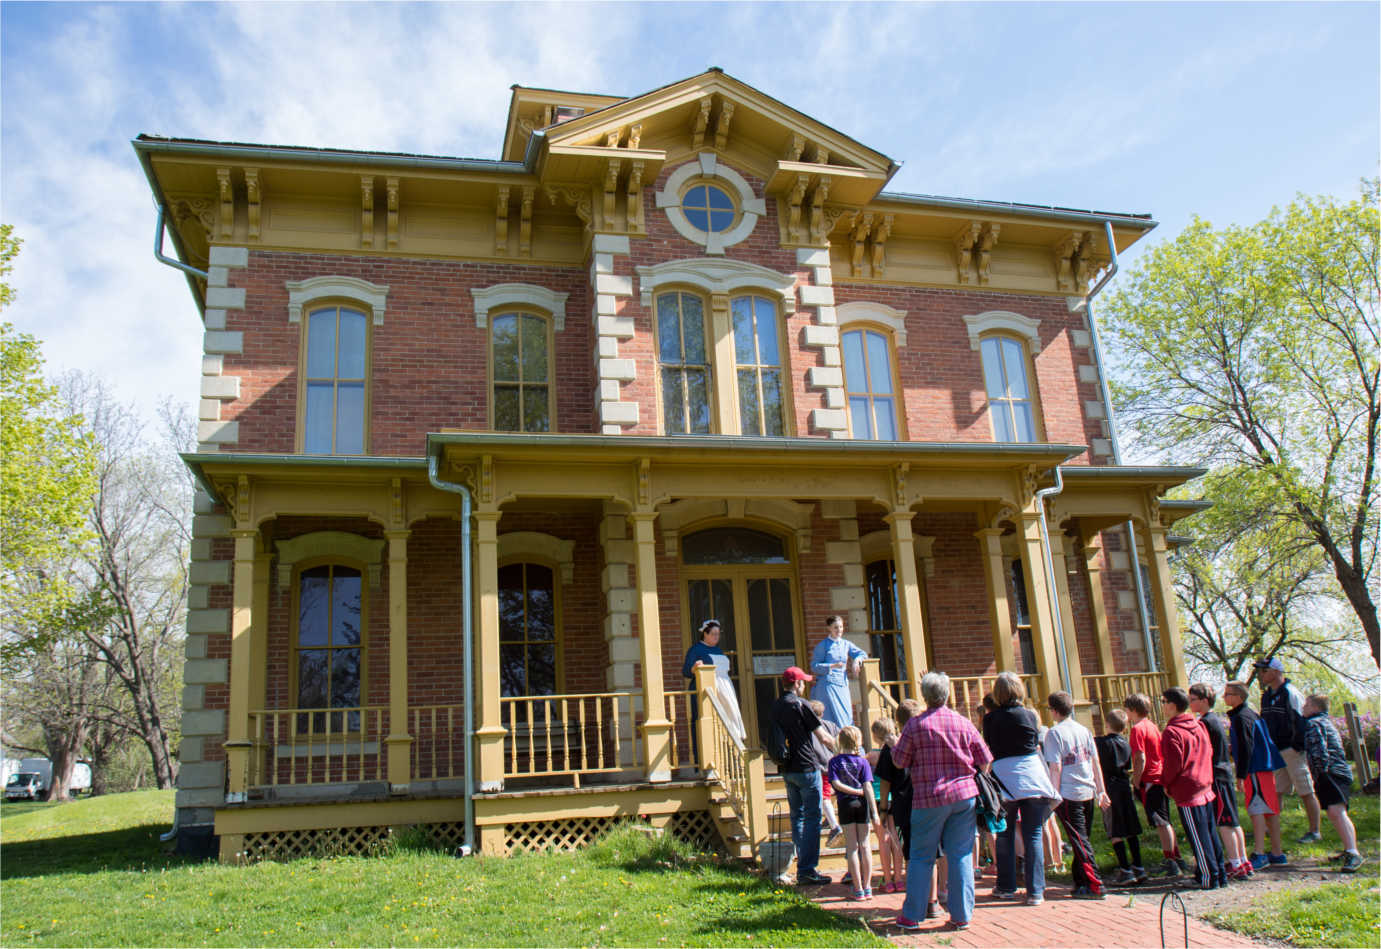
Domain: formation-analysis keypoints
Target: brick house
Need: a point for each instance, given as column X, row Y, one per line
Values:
column 671, row 357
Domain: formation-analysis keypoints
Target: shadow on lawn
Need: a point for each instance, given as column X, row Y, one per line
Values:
column 132, row 848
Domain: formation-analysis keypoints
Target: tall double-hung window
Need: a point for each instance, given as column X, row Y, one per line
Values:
column 869, row 384
column 684, row 364
column 758, row 355
column 521, row 373
column 1009, row 389
column 329, row 652
column 337, row 357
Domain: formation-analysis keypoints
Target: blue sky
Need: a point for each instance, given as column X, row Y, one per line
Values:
column 1175, row 109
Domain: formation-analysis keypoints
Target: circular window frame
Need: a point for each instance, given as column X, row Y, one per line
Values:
column 706, row 170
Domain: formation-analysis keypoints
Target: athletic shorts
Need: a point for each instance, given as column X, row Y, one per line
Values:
column 853, row 809
column 1331, row 790
column 1259, row 793
column 1295, row 775
column 1225, row 804
column 1157, row 805
column 826, row 786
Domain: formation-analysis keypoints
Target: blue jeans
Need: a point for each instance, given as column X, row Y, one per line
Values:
column 953, row 827
column 1032, row 811
column 803, row 797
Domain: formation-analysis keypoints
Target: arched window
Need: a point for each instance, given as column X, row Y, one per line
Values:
column 1026, row 648
column 333, row 420
column 732, row 545
column 521, row 370
column 869, row 384
column 330, row 645
column 758, row 355
column 1009, row 391
column 528, row 637
column 684, row 363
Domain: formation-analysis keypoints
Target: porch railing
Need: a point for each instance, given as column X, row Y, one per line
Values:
column 1108, row 691
column 576, row 734
column 296, row 746
column 737, row 769
column 680, row 711
column 438, row 742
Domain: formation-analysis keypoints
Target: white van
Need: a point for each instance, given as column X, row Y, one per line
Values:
column 32, row 779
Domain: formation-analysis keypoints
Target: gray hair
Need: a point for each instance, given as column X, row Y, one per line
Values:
column 935, row 689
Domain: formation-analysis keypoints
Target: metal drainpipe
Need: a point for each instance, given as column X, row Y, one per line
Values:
column 163, row 258
column 468, row 649
column 1049, row 559
column 1117, row 459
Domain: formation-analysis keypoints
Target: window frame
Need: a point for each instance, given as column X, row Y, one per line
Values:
column 1033, row 398
column 711, row 366
column 783, row 366
column 337, row 303
column 898, row 399
column 558, row 632
column 295, row 632
column 549, row 323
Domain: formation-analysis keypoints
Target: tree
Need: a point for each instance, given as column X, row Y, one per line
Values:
column 1254, row 585
column 1260, row 347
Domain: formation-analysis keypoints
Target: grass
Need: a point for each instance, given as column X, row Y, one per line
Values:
column 92, row 873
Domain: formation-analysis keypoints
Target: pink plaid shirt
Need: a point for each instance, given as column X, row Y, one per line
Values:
column 940, row 748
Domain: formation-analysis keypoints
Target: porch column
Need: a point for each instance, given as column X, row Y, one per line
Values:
column 656, row 728
column 1093, row 568
column 870, row 674
column 237, row 743
column 1163, row 593
column 489, row 730
column 1059, row 545
column 1038, row 602
column 258, row 658
column 399, row 742
column 999, row 611
column 908, row 596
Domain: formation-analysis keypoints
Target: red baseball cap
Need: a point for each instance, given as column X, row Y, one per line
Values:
column 795, row 674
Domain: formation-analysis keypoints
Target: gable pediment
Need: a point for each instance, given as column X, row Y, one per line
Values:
column 714, row 111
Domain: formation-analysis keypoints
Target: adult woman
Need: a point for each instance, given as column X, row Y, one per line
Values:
column 835, row 659
column 1012, row 733
column 707, row 653
column 941, row 749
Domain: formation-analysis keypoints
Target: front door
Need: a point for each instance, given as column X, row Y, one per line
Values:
column 744, row 579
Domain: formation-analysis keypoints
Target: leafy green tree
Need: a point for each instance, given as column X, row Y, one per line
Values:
column 1260, row 348
column 47, row 478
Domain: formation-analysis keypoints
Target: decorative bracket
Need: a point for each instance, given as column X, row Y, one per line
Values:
column 986, row 241
column 794, row 149
column 899, row 473
column 578, row 198
column 501, row 222
column 644, row 483
column 1066, row 259
column 391, row 184
column 721, row 125
column 227, row 198
column 702, row 120
column 634, row 213
column 486, row 480
column 525, row 223
column 964, row 242
column 366, row 210
column 794, row 200
column 252, row 193
column 880, row 235
column 859, row 230
column 635, row 135
column 611, row 181
column 818, row 232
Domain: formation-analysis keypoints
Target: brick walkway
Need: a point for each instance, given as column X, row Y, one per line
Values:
column 1122, row 920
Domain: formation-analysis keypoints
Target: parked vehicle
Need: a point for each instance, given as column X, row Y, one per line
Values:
column 35, row 775
column 25, row 786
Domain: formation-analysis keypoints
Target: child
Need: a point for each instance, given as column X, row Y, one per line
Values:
column 1051, row 841
column 1332, row 776
column 853, row 784
column 894, row 798
column 1069, row 752
column 1257, row 759
column 1201, row 698
column 1120, row 818
column 1187, row 774
column 1144, row 737
column 826, row 792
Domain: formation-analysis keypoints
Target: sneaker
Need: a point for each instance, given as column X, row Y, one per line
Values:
column 1278, row 859
column 1351, row 862
column 1186, row 869
column 977, row 874
column 1259, row 861
column 1170, row 868
column 1034, row 900
column 1140, row 875
column 1122, row 876
column 908, row 925
column 1239, row 872
column 812, row 879
column 1004, row 894
column 932, row 910
column 867, row 892
column 954, row 926
column 835, row 836
column 1084, row 893
column 858, row 895
column 1312, row 837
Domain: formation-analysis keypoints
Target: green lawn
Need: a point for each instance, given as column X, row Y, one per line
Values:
column 92, row 873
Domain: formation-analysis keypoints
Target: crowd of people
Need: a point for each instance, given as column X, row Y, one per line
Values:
column 918, row 793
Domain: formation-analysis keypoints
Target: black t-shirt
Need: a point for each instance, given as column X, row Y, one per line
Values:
column 1222, row 750
column 898, row 783
column 798, row 721
column 1114, row 758
column 1011, row 731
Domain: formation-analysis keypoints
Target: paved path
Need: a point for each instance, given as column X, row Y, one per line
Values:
column 1122, row 920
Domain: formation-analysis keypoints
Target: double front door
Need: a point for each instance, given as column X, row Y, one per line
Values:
column 757, row 611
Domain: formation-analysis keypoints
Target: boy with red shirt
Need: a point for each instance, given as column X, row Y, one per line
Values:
column 1187, row 773
column 1144, row 737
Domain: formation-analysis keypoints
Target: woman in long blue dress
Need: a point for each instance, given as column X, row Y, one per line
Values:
column 835, row 659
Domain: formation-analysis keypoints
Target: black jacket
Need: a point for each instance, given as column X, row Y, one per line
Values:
column 1282, row 710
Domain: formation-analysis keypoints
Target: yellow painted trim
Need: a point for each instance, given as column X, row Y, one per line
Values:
column 258, row 820
column 1032, row 383
column 652, row 800
column 898, row 393
column 549, row 321
column 295, row 616
column 359, row 306
column 555, row 567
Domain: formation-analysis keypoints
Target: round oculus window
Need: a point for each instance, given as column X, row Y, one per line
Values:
column 708, row 208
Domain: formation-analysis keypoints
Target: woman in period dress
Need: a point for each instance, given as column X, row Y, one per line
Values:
column 834, row 661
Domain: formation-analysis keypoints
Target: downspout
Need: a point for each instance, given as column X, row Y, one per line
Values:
column 1133, row 557
column 1059, row 485
column 468, row 649
column 163, row 258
